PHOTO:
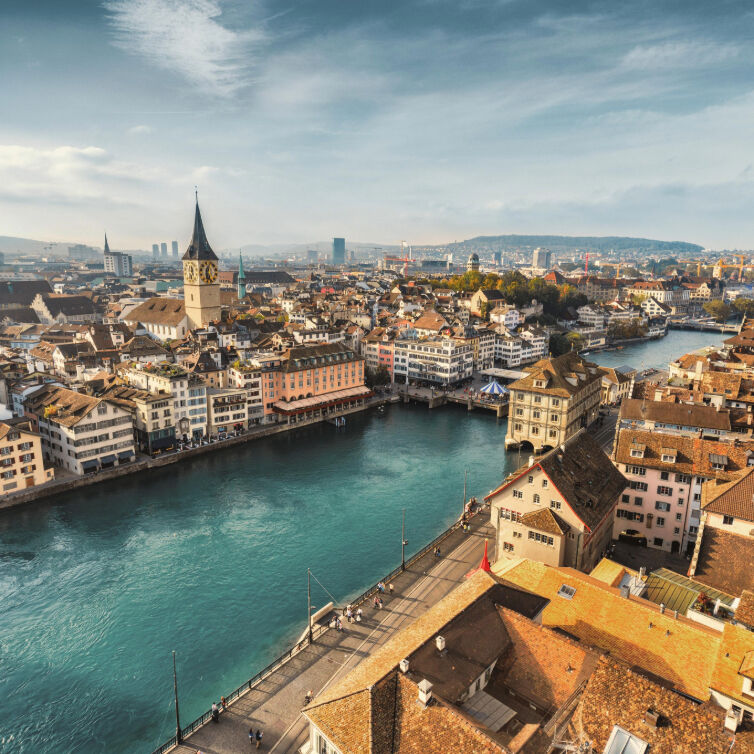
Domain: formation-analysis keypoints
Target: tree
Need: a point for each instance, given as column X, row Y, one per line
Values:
column 744, row 306
column 559, row 344
column 717, row 309
column 377, row 377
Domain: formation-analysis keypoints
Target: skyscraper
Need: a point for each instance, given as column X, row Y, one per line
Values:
column 542, row 258
column 155, row 251
column 338, row 251
column 175, row 249
column 312, row 255
column 117, row 263
column 497, row 257
column 164, row 250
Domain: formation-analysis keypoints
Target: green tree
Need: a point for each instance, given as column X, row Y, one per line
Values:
column 717, row 309
column 377, row 377
column 744, row 306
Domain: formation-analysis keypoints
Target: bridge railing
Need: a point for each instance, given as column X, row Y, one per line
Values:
column 317, row 631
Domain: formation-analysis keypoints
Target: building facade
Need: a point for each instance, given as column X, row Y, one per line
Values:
column 21, row 459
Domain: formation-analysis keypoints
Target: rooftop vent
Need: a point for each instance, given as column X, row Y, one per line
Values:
column 440, row 643
column 425, row 692
column 403, row 665
column 652, row 718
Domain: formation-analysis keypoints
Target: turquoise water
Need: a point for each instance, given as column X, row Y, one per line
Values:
column 657, row 353
column 209, row 558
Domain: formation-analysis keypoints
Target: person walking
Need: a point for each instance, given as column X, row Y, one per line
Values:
column 390, row 588
column 359, row 613
column 251, row 736
column 223, row 703
column 258, row 738
column 215, row 713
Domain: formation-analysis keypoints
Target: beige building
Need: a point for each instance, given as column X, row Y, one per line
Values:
column 553, row 401
column 81, row 433
column 201, row 288
column 226, row 411
column 21, row 460
column 559, row 509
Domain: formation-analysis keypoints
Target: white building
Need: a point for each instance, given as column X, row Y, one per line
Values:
column 81, row 433
column 443, row 361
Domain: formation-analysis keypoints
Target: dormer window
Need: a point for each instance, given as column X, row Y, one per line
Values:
column 668, row 455
column 718, row 462
column 637, row 451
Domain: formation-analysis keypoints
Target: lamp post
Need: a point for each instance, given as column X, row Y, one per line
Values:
column 465, row 477
column 404, row 541
column 309, row 602
column 178, row 736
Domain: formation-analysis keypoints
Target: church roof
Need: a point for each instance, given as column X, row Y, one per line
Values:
column 199, row 247
column 241, row 275
column 107, row 248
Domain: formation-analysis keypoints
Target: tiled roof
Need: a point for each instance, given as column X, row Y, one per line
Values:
column 734, row 498
column 69, row 407
column 680, row 414
column 629, row 628
column 745, row 609
column 733, row 660
column 726, row 561
column 609, row 571
column 545, row 520
column 159, row 311
column 559, row 375
column 617, row 695
column 69, row 305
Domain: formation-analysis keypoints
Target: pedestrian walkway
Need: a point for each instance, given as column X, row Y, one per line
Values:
column 274, row 705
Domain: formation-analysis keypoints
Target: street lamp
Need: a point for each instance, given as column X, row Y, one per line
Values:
column 404, row 541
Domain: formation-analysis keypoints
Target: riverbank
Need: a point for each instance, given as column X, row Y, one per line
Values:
column 620, row 344
column 144, row 463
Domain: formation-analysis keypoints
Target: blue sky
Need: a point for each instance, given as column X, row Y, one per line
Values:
column 424, row 120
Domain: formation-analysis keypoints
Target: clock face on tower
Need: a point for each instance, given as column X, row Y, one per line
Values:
column 208, row 272
column 190, row 272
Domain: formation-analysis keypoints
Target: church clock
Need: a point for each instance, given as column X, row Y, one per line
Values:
column 208, row 272
column 190, row 272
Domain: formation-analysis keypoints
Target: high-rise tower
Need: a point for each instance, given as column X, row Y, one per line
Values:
column 201, row 291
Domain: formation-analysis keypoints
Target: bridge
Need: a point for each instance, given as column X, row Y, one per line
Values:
column 435, row 398
column 704, row 324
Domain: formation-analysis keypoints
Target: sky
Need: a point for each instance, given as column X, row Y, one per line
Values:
column 419, row 120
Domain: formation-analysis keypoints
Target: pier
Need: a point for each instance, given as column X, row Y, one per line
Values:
column 272, row 700
column 704, row 324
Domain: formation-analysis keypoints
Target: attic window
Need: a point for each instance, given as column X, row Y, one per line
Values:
column 539, row 383
column 566, row 592
column 718, row 461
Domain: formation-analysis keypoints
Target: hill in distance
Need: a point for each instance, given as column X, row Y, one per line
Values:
column 573, row 243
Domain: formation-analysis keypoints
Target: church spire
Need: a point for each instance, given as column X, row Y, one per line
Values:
column 107, row 248
column 199, row 247
column 241, row 278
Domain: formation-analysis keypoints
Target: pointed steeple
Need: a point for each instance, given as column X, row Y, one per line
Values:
column 241, row 274
column 199, row 247
column 107, row 248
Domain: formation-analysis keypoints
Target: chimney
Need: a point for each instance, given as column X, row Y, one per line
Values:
column 643, row 572
column 403, row 665
column 731, row 720
column 624, row 591
column 652, row 718
column 531, row 461
column 662, row 607
column 425, row 693
column 440, row 644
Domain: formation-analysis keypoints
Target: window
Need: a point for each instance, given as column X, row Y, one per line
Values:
column 683, row 478
column 518, row 494
column 658, row 541
column 517, row 427
column 544, row 483
column 507, row 547
column 676, row 530
column 636, row 453
column 519, row 412
column 531, row 479
column 638, row 470
column 678, row 516
column 662, row 490
column 536, row 499
column 102, row 409
column 553, row 417
column 660, row 506
column 638, row 501
column 625, row 498
column 566, row 592
column 555, row 402
column 537, row 399
column 664, row 475
column 641, row 486
column 667, row 458
column 553, row 433
column 660, row 521
column 535, row 430
column 555, row 505
column 727, row 520
column 536, row 414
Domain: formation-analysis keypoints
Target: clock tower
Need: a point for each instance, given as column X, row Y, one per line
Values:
column 201, row 289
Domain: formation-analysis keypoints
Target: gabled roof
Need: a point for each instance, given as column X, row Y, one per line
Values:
column 159, row 311
column 726, row 561
column 547, row 521
column 199, row 247
column 734, row 498
column 563, row 375
column 680, row 414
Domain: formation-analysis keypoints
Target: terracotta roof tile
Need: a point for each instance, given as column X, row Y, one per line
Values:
column 726, row 561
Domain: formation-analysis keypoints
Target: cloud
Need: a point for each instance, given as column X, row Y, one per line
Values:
column 186, row 37
column 140, row 130
column 66, row 175
column 679, row 55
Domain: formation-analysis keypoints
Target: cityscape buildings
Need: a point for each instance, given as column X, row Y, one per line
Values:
column 338, row 251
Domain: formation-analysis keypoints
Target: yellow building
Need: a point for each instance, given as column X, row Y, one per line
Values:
column 21, row 459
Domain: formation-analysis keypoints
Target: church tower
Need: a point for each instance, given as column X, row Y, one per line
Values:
column 241, row 278
column 201, row 290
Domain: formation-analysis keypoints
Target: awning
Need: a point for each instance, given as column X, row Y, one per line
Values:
column 162, row 442
column 125, row 455
column 322, row 401
column 89, row 465
column 107, row 459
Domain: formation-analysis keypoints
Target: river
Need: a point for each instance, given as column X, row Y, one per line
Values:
column 209, row 558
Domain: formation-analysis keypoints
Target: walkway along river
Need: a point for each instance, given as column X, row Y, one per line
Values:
column 209, row 558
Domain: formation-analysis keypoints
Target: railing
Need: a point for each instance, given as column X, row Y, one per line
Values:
column 317, row 631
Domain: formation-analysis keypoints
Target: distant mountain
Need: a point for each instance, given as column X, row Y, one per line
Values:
column 13, row 245
column 573, row 243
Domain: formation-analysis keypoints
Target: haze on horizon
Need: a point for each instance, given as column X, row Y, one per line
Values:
column 425, row 120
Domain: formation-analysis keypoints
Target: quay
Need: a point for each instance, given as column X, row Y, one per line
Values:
column 273, row 699
column 145, row 463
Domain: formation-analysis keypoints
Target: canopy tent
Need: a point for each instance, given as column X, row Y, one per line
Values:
column 494, row 388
